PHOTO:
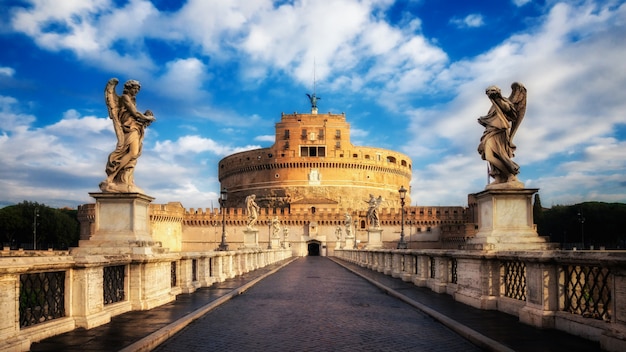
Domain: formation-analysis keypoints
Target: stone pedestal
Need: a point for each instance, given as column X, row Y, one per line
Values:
column 374, row 238
column 505, row 221
column 121, row 236
column 251, row 238
column 121, row 226
column 349, row 243
column 275, row 242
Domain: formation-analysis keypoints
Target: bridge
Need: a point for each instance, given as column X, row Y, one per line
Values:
column 435, row 300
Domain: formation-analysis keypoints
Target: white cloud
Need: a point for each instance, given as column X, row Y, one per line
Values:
column 267, row 138
column 183, row 79
column 196, row 144
column 470, row 21
column 7, row 71
column 568, row 83
column 520, row 3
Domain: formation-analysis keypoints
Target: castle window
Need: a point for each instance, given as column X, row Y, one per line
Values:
column 391, row 159
column 319, row 151
column 337, row 134
column 320, row 134
column 338, row 145
column 286, row 134
column 367, row 156
column 403, row 163
column 355, row 155
column 304, row 134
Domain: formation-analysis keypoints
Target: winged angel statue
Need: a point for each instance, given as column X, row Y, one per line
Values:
column 129, row 125
column 496, row 144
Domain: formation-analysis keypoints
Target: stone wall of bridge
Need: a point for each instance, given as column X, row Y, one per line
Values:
column 580, row 292
column 46, row 293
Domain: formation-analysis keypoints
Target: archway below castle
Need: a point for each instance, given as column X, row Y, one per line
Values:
column 314, row 248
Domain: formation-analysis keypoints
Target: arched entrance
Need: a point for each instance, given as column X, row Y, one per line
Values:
column 314, row 248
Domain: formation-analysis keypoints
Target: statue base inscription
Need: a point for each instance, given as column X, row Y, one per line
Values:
column 251, row 238
column 374, row 238
column 505, row 221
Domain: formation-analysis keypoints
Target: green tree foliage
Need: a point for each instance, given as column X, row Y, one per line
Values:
column 601, row 224
column 55, row 227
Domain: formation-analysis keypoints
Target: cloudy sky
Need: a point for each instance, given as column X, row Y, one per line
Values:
column 410, row 76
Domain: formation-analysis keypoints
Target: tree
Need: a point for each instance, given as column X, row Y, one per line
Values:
column 601, row 224
column 59, row 228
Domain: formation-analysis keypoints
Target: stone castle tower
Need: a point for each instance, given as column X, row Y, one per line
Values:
column 313, row 164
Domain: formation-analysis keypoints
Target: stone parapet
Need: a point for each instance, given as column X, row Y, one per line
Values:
column 579, row 292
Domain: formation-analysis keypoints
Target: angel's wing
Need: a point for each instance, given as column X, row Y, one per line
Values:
column 112, row 101
column 518, row 99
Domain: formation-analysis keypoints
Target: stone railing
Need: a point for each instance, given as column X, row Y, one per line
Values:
column 46, row 295
column 580, row 292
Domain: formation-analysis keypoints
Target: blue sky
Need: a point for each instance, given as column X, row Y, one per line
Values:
column 410, row 76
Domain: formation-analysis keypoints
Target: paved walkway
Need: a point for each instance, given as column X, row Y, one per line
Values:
column 314, row 304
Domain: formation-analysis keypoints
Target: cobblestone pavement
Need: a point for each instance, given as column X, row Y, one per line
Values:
column 313, row 304
column 142, row 329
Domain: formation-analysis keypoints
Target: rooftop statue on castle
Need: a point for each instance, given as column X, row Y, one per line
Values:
column 313, row 99
column 129, row 125
column 496, row 144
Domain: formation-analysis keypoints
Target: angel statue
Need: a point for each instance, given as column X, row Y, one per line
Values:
column 313, row 99
column 129, row 125
column 496, row 144
column 372, row 211
column 253, row 211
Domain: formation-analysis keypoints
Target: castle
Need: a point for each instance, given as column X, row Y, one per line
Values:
column 309, row 179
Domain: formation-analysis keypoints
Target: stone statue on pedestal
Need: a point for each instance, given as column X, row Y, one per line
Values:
column 129, row 125
column 372, row 211
column 496, row 144
column 347, row 222
column 253, row 211
column 275, row 227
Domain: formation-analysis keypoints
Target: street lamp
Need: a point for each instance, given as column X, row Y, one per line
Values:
column 581, row 218
column 35, row 228
column 223, row 197
column 269, row 228
column 402, row 244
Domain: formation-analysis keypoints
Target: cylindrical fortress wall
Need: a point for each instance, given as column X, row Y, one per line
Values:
column 313, row 162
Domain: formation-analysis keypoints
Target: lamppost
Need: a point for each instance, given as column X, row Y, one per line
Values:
column 402, row 243
column 223, row 197
column 35, row 228
column 581, row 218
column 269, row 229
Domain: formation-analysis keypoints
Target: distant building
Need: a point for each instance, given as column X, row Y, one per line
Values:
column 313, row 164
column 310, row 178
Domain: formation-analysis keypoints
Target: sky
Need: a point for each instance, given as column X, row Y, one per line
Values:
column 409, row 75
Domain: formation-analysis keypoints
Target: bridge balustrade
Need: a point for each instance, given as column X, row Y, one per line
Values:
column 580, row 292
column 46, row 295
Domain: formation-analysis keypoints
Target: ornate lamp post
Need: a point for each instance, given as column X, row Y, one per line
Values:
column 581, row 218
column 223, row 197
column 269, row 228
column 402, row 243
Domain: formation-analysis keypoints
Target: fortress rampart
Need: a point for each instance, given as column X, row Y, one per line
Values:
column 313, row 162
